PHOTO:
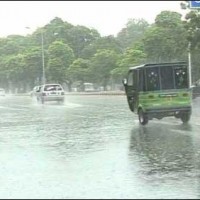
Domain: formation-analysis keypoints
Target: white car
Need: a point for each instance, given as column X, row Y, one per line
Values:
column 2, row 92
column 51, row 92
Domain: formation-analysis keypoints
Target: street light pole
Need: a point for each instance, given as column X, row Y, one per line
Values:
column 43, row 67
column 189, row 65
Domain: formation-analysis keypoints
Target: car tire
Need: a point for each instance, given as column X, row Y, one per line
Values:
column 143, row 118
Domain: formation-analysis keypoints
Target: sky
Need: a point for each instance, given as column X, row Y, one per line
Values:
column 107, row 17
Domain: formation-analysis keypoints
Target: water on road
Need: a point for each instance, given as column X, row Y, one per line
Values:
column 93, row 147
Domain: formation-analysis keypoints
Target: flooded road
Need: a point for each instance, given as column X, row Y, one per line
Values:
column 93, row 147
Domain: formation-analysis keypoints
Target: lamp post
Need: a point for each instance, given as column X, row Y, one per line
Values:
column 43, row 64
column 43, row 59
column 189, row 65
column 191, row 35
column 43, row 67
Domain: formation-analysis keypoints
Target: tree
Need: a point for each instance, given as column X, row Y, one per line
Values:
column 60, row 57
column 168, row 19
column 56, row 29
column 192, row 26
column 33, row 65
column 132, row 33
column 166, row 40
column 131, row 57
column 103, row 62
column 80, row 37
column 107, row 42
column 80, row 71
column 14, row 68
column 13, row 44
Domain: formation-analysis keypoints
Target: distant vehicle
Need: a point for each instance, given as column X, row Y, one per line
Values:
column 88, row 87
column 159, row 90
column 35, row 91
column 51, row 92
column 2, row 92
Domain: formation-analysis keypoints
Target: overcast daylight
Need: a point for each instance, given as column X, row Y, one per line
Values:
column 108, row 17
column 99, row 100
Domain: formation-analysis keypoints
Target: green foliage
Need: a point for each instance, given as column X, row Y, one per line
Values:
column 168, row 19
column 106, row 42
column 103, row 62
column 192, row 26
column 79, row 70
column 132, row 33
column 60, row 57
column 14, row 67
column 80, row 37
column 166, row 41
column 33, row 67
column 131, row 57
column 79, row 54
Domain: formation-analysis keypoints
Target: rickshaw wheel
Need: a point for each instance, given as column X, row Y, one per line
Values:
column 143, row 118
column 185, row 117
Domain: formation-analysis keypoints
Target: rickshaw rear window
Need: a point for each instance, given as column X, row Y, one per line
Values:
column 152, row 79
column 181, row 79
column 166, row 77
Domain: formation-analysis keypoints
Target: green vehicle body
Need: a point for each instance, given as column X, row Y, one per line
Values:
column 158, row 91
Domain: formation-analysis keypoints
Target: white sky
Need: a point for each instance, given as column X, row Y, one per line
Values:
column 107, row 17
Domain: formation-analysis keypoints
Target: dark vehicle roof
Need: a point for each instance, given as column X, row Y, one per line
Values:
column 158, row 64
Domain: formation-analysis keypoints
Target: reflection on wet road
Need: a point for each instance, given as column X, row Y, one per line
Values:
column 93, row 147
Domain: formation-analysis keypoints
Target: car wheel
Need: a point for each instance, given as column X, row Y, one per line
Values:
column 143, row 118
column 61, row 102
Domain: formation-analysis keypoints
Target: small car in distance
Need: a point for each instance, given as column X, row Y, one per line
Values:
column 2, row 92
column 51, row 92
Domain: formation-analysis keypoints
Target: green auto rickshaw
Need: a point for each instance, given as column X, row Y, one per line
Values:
column 159, row 90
